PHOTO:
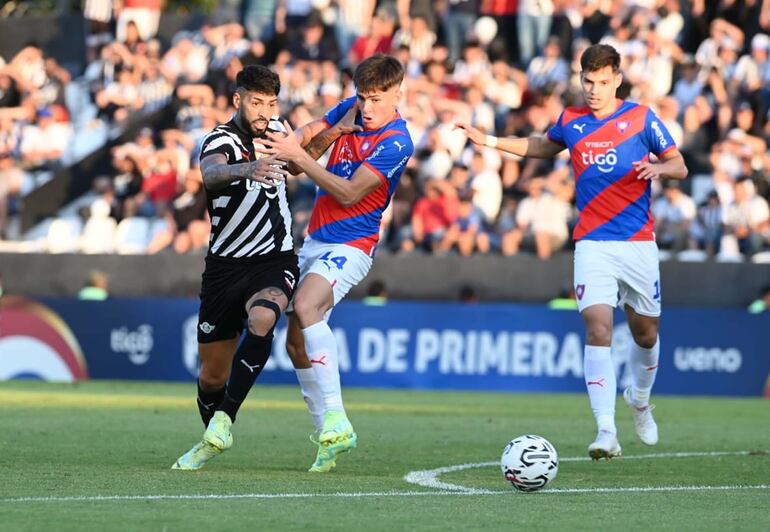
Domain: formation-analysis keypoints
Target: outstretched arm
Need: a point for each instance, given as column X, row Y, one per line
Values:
column 535, row 146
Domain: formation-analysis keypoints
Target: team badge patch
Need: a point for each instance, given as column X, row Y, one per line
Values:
column 622, row 125
column 580, row 290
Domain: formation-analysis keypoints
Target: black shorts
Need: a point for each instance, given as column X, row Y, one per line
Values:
column 229, row 283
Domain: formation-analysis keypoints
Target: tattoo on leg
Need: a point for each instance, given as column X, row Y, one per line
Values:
column 274, row 292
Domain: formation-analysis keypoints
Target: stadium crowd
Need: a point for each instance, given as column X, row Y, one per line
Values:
column 509, row 67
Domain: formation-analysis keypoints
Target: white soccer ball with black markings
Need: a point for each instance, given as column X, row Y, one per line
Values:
column 529, row 462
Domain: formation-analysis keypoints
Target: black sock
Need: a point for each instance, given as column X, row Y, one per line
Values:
column 248, row 363
column 208, row 402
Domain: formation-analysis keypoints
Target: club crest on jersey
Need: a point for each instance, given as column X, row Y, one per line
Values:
column 365, row 146
column 622, row 125
column 580, row 290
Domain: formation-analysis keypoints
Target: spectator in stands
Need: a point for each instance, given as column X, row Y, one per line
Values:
column 534, row 26
column 155, row 90
column 474, row 65
column 259, row 19
column 144, row 13
column 120, row 97
column 690, row 85
column 133, row 40
column 674, row 211
column 753, row 70
column 706, row 229
column 549, row 69
column 432, row 216
column 466, row 234
column 105, row 202
column 96, row 287
column 377, row 40
column 748, row 218
column 187, row 227
column 44, row 142
column 315, row 45
column 7, row 188
column 541, row 219
column 186, row 61
column 418, row 37
column 458, row 23
column 485, row 184
column 353, row 19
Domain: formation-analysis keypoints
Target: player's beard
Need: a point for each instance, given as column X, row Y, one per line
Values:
column 252, row 126
column 257, row 131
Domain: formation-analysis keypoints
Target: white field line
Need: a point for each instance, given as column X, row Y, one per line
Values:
column 353, row 495
column 428, row 479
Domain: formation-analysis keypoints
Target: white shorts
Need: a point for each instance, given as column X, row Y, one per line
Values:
column 618, row 273
column 343, row 266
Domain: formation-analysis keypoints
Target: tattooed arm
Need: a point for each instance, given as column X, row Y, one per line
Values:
column 217, row 174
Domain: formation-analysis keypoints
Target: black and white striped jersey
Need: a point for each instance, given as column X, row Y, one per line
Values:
column 248, row 219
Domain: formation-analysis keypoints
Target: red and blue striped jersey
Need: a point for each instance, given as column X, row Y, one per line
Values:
column 613, row 203
column 384, row 151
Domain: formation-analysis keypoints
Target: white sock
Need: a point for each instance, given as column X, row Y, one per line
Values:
column 644, row 367
column 321, row 346
column 311, row 392
column 600, row 382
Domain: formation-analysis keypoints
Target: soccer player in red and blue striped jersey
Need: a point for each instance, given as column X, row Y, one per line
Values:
column 371, row 148
column 616, row 258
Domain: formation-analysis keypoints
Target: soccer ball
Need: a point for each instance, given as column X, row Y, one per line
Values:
column 529, row 462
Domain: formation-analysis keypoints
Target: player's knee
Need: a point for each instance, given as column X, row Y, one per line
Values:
column 646, row 339
column 304, row 308
column 263, row 315
column 212, row 378
column 644, row 331
column 261, row 321
column 599, row 334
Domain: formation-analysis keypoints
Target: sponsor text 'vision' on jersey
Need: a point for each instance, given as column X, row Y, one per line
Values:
column 248, row 219
column 613, row 203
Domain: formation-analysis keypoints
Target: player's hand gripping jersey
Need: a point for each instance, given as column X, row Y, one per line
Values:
column 385, row 151
column 613, row 203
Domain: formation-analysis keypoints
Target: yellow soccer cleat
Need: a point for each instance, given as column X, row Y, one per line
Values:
column 336, row 427
column 218, row 433
column 196, row 457
column 216, row 440
column 327, row 455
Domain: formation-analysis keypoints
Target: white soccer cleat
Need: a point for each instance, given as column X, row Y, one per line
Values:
column 645, row 425
column 604, row 446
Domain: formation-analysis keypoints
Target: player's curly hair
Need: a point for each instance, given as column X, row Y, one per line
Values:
column 258, row 78
column 599, row 56
column 378, row 73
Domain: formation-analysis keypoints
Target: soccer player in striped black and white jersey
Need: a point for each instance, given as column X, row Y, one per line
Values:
column 251, row 268
column 610, row 142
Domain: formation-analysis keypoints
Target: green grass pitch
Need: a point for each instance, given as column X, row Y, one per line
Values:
column 96, row 456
